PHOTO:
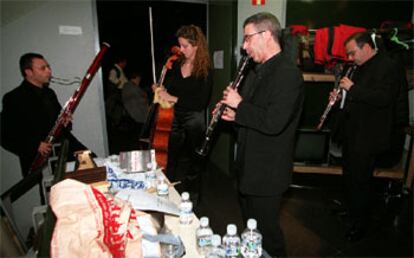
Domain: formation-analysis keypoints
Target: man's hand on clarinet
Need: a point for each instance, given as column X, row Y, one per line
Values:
column 334, row 96
column 231, row 97
column 346, row 83
column 229, row 114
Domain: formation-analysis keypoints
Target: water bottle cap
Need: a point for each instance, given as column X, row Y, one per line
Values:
column 251, row 224
column 185, row 196
column 231, row 229
column 215, row 240
column 204, row 221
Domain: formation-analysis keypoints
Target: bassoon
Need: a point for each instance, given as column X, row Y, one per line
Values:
column 70, row 106
column 203, row 150
column 348, row 73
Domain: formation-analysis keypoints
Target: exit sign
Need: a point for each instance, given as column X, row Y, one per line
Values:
column 258, row 2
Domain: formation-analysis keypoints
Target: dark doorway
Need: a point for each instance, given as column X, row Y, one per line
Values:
column 125, row 26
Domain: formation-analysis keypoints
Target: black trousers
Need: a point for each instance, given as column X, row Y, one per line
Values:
column 184, row 164
column 358, row 169
column 265, row 209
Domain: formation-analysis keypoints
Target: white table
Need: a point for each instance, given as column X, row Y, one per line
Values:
column 186, row 232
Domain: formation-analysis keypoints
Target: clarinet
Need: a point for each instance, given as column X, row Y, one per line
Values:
column 338, row 93
column 70, row 106
column 203, row 150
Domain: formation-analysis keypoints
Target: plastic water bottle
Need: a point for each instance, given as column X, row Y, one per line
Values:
column 231, row 242
column 216, row 250
column 186, row 209
column 203, row 236
column 251, row 241
column 162, row 186
column 150, row 179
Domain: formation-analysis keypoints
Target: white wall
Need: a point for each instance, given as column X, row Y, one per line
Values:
column 33, row 26
column 246, row 9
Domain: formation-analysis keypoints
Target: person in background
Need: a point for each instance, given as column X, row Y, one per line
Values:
column 30, row 112
column 266, row 113
column 188, row 86
column 373, row 120
column 135, row 101
column 117, row 78
column 117, row 118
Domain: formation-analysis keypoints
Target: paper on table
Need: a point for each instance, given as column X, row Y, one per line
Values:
column 144, row 201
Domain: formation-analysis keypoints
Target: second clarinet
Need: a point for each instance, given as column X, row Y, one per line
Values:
column 337, row 94
column 203, row 150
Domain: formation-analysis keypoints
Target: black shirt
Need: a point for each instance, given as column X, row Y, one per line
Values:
column 193, row 92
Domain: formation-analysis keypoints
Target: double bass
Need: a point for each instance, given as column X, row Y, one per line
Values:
column 156, row 130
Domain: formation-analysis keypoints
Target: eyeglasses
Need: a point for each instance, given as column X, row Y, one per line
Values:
column 247, row 37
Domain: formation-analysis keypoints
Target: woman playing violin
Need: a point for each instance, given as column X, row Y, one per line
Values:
column 188, row 85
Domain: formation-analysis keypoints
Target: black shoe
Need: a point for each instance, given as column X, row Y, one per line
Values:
column 355, row 233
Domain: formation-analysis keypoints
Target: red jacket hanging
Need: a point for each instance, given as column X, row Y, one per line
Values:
column 342, row 33
column 323, row 52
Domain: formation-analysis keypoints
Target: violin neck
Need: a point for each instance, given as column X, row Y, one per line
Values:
column 162, row 77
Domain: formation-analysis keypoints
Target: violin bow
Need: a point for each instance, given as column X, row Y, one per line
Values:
column 154, row 78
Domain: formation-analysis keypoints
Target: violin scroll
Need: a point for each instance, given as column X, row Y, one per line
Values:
column 176, row 53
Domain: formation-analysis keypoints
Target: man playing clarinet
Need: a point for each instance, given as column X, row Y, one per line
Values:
column 375, row 112
column 267, row 113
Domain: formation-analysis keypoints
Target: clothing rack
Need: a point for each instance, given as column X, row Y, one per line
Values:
column 387, row 30
column 309, row 37
column 395, row 30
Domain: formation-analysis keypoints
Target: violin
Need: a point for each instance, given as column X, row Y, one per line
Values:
column 175, row 50
column 157, row 128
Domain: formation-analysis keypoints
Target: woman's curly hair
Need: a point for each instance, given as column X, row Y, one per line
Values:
column 195, row 37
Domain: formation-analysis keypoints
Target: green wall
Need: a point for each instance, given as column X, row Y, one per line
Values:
column 222, row 35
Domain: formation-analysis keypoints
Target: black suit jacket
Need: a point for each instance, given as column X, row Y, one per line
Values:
column 370, row 113
column 267, row 118
column 28, row 114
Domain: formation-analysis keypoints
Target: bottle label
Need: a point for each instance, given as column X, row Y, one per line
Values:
column 186, row 207
column 162, row 188
column 232, row 250
column 216, row 252
column 186, row 212
column 204, row 241
column 251, row 248
column 186, row 218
